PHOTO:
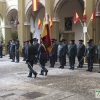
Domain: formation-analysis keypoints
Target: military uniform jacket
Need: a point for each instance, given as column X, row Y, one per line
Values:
column 80, row 50
column 36, row 45
column 0, row 46
column 90, row 51
column 13, row 47
column 31, row 52
column 72, row 51
column 17, row 47
column 53, row 51
column 99, row 52
column 61, row 51
column 65, row 48
column 23, row 47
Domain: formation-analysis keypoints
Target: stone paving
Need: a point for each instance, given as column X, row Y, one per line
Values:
column 60, row 84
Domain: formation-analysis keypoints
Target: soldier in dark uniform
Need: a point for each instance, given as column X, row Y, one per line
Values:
column 66, row 48
column 13, row 50
column 26, row 47
column 31, row 53
column 36, row 44
column 52, row 54
column 72, row 51
column 23, row 51
column 98, row 55
column 17, row 51
column 56, row 49
column 10, row 53
column 42, row 56
column 1, row 47
column 80, row 53
column 60, row 54
column 90, row 53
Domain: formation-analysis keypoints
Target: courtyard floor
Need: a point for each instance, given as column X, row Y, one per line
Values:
column 60, row 84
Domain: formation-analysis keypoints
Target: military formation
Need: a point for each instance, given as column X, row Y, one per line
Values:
column 35, row 53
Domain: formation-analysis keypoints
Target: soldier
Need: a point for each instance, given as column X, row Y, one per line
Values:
column 66, row 48
column 10, row 53
column 17, row 51
column 13, row 50
column 42, row 56
column 26, row 47
column 36, row 44
column 56, row 49
column 52, row 54
column 23, row 51
column 98, row 55
column 80, row 53
column 1, row 50
column 71, row 54
column 31, row 53
column 60, row 54
column 90, row 53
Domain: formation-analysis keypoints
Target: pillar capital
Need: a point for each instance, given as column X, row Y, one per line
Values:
column 5, row 26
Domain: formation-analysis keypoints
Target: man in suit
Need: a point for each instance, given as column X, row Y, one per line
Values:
column 13, row 50
column 90, row 53
column 72, row 51
column 66, row 48
column 60, row 54
column 80, row 53
column 43, row 56
column 31, row 53
column 52, row 54
column 17, row 51
column 1, row 47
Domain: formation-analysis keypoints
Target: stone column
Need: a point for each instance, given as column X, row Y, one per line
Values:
column 27, row 31
column 89, row 5
column 21, row 28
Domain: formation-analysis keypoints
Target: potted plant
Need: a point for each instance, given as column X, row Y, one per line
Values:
column 14, row 35
column 60, row 34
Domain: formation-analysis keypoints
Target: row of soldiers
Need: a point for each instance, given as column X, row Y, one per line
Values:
column 33, row 51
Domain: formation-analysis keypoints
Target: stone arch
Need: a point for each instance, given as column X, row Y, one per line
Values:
column 12, row 9
column 29, row 7
column 59, row 3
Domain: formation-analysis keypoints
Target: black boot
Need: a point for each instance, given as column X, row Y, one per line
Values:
column 41, row 72
column 35, row 75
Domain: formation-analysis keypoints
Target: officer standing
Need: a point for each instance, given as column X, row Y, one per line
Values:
column 66, row 49
column 13, row 50
column 1, row 47
column 90, row 53
column 52, row 54
column 31, row 53
column 56, row 49
column 17, row 51
column 72, row 51
column 42, row 56
column 80, row 53
column 23, row 51
column 60, row 54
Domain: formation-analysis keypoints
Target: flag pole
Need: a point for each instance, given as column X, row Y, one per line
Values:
column 81, row 23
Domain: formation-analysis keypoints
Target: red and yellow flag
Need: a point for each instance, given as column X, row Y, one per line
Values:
column 39, row 24
column 76, row 18
column 50, row 21
column 34, row 5
column 93, row 17
column 84, row 15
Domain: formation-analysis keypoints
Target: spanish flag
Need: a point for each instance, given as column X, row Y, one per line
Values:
column 76, row 18
column 93, row 17
column 84, row 15
column 46, row 32
column 34, row 5
column 39, row 24
column 50, row 21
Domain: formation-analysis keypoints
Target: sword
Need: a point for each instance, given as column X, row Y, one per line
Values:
column 80, row 61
